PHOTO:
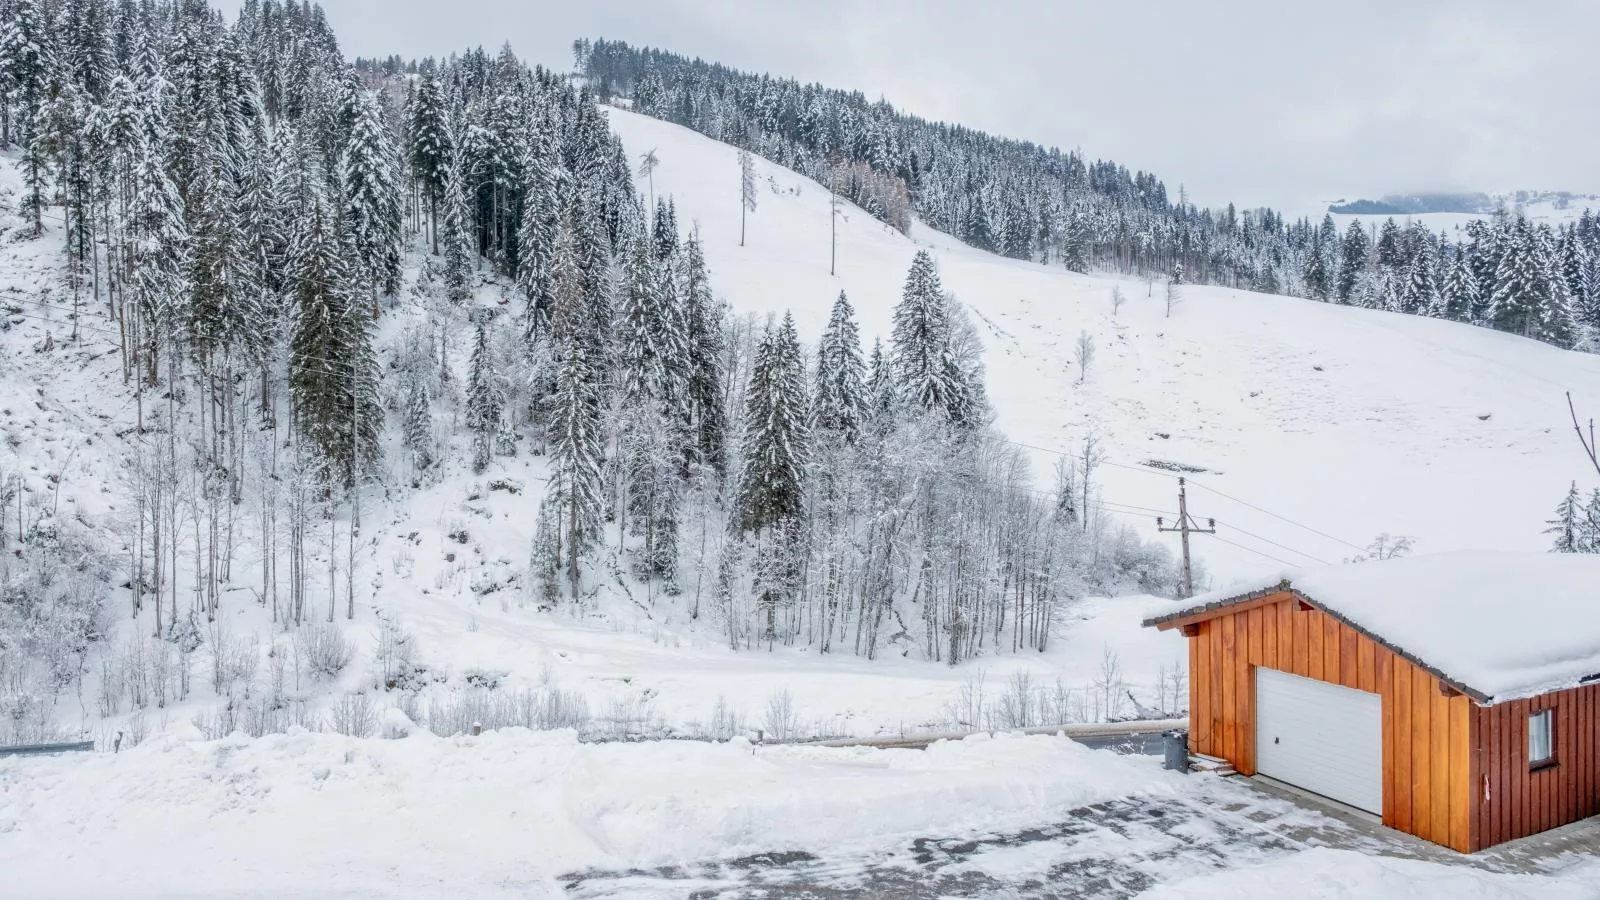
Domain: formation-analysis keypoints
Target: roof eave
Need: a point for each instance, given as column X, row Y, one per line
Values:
column 1212, row 610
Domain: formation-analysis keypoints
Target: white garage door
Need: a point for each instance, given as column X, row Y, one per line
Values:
column 1325, row 738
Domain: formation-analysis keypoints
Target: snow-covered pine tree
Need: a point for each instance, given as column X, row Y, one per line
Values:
column 332, row 369
column 1460, row 289
column 459, row 237
column 417, row 429
column 1075, row 242
column 1353, row 261
column 641, row 332
column 882, row 400
column 1390, row 254
column 652, row 394
column 483, row 397
column 1589, row 524
column 1419, row 294
column 840, row 402
column 536, row 235
column 157, row 258
column 576, row 439
column 920, row 348
column 85, row 45
column 594, row 259
column 432, row 146
column 1319, row 275
column 372, row 195
column 1557, row 324
column 27, row 59
column 704, row 348
column 216, row 313
column 1565, row 526
column 1518, row 292
column 771, row 486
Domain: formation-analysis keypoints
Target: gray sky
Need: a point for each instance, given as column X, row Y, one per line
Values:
column 1256, row 101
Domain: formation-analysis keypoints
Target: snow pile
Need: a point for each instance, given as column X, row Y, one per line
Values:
column 1323, row 874
column 504, row 813
column 1504, row 624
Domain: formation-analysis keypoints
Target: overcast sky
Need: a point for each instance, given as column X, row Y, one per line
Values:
column 1256, row 101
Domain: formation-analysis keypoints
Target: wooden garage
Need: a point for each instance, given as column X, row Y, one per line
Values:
column 1456, row 695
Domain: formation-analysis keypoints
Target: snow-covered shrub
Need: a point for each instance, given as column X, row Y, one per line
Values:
column 325, row 650
column 633, row 716
column 217, row 723
column 1062, row 705
column 354, row 715
column 1018, row 704
column 111, row 687
column 397, row 667
column 725, row 721
column 52, row 608
column 780, row 722
column 542, row 709
column 970, row 710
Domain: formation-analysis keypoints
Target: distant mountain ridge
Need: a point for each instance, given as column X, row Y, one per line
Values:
column 1469, row 203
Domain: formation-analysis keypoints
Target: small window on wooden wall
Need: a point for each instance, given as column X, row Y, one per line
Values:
column 1541, row 738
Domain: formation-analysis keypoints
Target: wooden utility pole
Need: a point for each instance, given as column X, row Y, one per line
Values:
column 1186, row 526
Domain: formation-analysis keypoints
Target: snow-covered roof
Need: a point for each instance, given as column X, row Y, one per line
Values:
column 1501, row 625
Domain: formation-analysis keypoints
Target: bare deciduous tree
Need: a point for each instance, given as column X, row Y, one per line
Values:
column 1084, row 354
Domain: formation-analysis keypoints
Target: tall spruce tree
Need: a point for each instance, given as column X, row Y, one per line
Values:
column 460, row 247
column 576, row 439
column 432, row 147
column 772, row 481
column 417, row 431
column 484, row 401
column 1419, row 293
column 704, row 348
column 372, row 195
column 920, row 354
column 840, row 403
column 1519, row 282
column 1353, row 261
column 332, row 369
column 1460, row 289
column 536, row 235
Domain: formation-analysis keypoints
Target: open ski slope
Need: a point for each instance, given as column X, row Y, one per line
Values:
column 1345, row 423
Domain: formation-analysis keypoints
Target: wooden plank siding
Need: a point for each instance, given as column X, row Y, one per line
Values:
column 1514, row 801
column 1430, row 740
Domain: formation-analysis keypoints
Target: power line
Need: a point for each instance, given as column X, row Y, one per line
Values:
column 1151, row 470
column 1276, row 516
column 1256, row 552
column 1148, row 470
column 1273, row 543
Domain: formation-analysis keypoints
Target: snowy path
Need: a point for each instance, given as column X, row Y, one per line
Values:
column 1226, row 839
column 1107, row 850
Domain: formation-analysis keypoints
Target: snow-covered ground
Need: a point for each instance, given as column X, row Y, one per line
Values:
column 519, row 814
column 501, row 814
column 1324, row 874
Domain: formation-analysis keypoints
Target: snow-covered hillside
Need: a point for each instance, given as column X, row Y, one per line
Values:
column 1321, row 426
